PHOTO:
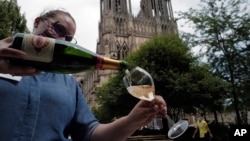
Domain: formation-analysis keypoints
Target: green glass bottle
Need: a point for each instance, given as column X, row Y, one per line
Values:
column 48, row 54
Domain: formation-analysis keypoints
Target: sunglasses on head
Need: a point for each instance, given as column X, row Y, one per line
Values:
column 59, row 30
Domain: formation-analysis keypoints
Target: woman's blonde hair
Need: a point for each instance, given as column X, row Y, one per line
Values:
column 52, row 13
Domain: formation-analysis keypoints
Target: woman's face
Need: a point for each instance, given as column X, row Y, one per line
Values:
column 60, row 27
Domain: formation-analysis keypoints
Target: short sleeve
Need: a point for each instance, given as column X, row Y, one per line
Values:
column 84, row 122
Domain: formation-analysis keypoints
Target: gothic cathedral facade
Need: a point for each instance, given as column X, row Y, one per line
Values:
column 120, row 33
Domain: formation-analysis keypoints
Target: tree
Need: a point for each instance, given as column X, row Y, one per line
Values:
column 162, row 57
column 11, row 21
column 223, row 28
column 113, row 99
column 167, row 59
column 178, row 78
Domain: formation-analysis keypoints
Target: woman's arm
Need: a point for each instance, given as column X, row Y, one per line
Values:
column 209, row 131
column 195, row 131
column 120, row 129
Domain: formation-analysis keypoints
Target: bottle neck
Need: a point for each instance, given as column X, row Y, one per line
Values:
column 104, row 63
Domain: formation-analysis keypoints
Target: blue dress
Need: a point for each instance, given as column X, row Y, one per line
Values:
column 45, row 107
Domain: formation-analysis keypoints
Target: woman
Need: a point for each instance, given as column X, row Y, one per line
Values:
column 204, row 131
column 46, row 106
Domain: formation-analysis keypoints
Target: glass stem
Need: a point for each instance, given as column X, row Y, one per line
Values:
column 128, row 77
column 170, row 121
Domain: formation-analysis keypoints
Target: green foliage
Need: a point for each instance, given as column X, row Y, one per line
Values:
column 223, row 28
column 114, row 100
column 178, row 77
column 167, row 59
column 166, row 51
column 11, row 21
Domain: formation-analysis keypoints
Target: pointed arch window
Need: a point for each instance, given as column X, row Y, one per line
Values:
column 122, row 51
column 164, row 28
column 109, row 4
column 118, row 5
column 161, row 12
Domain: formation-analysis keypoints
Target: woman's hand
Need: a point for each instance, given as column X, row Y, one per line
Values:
column 6, row 66
column 145, row 111
column 120, row 129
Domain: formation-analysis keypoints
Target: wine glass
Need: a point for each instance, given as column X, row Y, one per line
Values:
column 140, row 84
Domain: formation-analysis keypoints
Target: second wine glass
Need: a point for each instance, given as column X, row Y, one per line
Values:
column 140, row 84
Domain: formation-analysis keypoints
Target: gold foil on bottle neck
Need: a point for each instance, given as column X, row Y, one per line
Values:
column 111, row 64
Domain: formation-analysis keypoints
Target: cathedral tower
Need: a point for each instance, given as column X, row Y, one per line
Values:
column 120, row 33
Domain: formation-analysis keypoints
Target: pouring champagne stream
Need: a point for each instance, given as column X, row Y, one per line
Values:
column 140, row 84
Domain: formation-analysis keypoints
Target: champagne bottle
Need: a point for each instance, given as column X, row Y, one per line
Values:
column 52, row 55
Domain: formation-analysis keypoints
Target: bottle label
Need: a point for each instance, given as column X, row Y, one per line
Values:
column 38, row 48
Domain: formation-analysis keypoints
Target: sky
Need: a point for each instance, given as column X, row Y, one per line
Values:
column 87, row 15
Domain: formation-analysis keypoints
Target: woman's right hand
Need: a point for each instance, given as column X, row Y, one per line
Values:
column 6, row 66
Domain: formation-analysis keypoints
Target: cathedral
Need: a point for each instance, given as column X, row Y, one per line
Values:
column 121, row 32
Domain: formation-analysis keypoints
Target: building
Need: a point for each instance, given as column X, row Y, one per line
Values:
column 120, row 33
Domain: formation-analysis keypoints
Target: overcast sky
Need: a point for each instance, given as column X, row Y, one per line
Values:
column 86, row 14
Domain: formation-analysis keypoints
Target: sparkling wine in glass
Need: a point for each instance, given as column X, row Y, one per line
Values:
column 140, row 84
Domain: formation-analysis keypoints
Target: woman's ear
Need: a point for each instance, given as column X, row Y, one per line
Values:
column 36, row 22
